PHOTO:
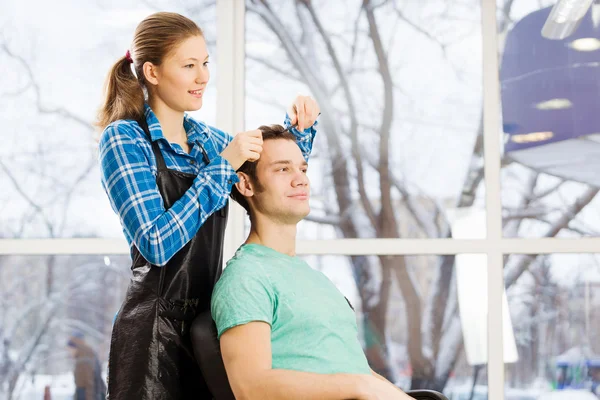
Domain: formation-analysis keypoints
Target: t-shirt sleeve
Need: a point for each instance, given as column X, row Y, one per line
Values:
column 243, row 294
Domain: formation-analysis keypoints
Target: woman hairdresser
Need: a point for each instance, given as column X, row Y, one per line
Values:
column 168, row 177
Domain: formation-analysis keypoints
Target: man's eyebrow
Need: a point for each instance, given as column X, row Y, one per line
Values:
column 287, row 162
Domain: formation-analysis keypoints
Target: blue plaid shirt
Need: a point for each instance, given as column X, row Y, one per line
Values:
column 128, row 168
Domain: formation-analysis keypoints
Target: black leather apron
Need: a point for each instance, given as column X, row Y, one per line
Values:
column 151, row 355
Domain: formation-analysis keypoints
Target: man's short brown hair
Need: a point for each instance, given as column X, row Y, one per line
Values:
column 249, row 167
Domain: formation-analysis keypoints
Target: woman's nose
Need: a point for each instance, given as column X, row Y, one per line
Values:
column 202, row 76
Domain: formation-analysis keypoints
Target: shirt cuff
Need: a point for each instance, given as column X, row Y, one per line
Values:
column 221, row 174
column 301, row 135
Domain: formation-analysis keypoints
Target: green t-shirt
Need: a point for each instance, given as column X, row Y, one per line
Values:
column 313, row 329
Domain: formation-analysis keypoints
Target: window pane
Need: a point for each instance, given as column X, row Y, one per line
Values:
column 52, row 74
column 550, row 97
column 410, row 319
column 399, row 149
column 45, row 300
column 554, row 304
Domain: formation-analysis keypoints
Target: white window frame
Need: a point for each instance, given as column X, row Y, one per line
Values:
column 230, row 117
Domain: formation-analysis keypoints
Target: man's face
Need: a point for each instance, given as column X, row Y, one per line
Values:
column 282, row 189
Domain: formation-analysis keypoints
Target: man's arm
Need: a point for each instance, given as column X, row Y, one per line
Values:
column 246, row 351
column 242, row 308
column 381, row 378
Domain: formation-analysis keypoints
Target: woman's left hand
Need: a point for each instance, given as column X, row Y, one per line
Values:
column 304, row 112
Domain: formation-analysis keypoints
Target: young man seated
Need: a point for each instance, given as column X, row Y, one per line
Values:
column 286, row 332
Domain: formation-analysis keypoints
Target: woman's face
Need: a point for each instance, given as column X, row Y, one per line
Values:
column 182, row 77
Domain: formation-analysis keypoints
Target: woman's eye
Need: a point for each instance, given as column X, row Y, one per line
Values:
column 205, row 63
column 189, row 66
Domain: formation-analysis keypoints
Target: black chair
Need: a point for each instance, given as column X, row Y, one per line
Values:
column 208, row 355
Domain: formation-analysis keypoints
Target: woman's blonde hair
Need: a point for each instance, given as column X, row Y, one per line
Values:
column 155, row 38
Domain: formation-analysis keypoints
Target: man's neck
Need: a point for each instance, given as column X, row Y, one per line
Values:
column 279, row 237
column 171, row 122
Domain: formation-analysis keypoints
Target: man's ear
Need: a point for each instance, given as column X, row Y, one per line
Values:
column 244, row 186
column 150, row 73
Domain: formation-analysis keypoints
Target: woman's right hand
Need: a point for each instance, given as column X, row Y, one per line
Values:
column 245, row 146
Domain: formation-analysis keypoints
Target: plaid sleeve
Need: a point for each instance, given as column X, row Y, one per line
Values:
column 220, row 138
column 131, row 186
column 303, row 138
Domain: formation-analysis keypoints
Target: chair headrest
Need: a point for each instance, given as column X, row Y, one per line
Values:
column 208, row 355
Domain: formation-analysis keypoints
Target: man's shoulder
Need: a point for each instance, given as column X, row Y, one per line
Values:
column 244, row 285
column 243, row 268
column 243, row 263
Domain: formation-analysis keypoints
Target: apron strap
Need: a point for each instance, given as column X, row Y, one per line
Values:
column 160, row 161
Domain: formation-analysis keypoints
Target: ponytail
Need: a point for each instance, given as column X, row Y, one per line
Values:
column 155, row 37
column 124, row 95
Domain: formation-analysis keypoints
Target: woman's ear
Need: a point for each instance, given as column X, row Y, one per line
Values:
column 150, row 73
column 244, row 186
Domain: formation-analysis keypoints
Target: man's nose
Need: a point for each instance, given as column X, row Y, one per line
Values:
column 300, row 179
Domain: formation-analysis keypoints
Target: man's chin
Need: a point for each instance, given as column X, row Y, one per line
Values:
column 295, row 217
column 302, row 215
column 304, row 212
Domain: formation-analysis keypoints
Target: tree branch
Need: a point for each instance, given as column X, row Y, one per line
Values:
column 387, row 226
column 513, row 274
column 527, row 213
column 325, row 220
column 421, row 366
column 69, row 194
column 507, row 20
column 427, row 225
column 439, row 298
column 41, row 108
column 443, row 47
column 339, row 164
column 286, row 74
column 538, row 196
column 37, row 208
column 366, row 202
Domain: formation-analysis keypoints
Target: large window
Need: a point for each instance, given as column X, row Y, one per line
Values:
column 454, row 179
